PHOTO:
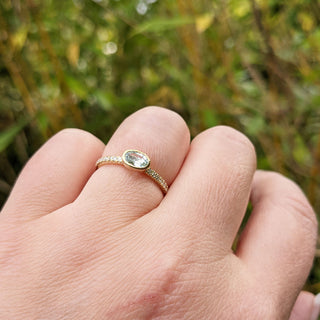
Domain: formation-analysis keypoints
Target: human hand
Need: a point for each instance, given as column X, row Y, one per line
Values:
column 76, row 243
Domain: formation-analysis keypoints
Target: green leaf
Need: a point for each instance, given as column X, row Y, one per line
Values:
column 300, row 151
column 255, row 125
column 209, row 118
column 204, row 21
column 103, row 99
column 162, row 24
column 7, row 136
column 77, row 87
column 43, row 121
column 19, row 38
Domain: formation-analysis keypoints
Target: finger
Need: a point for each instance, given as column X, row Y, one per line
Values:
column 116, row 194
column 305, row 307
column 213, row 187
column 55, row 175
column 279, row 239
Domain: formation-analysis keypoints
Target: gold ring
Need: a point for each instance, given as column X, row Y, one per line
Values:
column 136, row 160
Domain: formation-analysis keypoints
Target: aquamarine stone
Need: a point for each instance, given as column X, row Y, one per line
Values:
column 136, row 159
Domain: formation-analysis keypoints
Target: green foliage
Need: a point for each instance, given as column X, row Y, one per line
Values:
column 254, row 65
column 7, row 136
column 160, row 25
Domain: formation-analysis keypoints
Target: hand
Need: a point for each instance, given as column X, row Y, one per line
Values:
column 76, row 243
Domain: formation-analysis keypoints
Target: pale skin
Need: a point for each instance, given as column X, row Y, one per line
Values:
column 76, row 243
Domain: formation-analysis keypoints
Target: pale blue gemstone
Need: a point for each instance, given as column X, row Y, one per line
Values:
column 136, row 159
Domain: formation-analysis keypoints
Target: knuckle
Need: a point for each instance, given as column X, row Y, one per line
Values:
column 77, row 139
column 232, row 151
column 163, row 115
column 160, row 112
column 301, row 207
column 236, row 138
column 151, row 123
column 73, row 135
column 302, row 212
column 295, row 205
column 238, row 149
column 294, row 200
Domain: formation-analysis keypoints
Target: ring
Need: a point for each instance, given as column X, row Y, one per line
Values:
column 138, row 161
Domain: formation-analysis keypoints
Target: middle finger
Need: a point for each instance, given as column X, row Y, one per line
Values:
column 213, row 186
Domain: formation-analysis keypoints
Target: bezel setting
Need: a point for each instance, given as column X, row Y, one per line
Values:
column 136, row 160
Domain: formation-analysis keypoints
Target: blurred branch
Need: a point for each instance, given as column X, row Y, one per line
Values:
column 17, row 79
column 190, row 39
column 314, row 175
column 206, row 97
column 7, row 170
column 275, row 66
column 279, row 83
column 263, row 31
column 4, row 187
column 315, row 10
column 20, row 146
column 46, row 41
column 6, row 51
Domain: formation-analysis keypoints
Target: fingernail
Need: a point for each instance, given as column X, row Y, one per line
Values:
column 316, row 308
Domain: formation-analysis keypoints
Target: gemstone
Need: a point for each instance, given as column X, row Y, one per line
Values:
column 136, row 159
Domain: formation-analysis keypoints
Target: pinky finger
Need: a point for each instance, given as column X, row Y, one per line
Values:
column 307, row 307
column 279, row 239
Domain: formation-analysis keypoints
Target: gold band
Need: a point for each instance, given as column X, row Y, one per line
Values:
column 136, row 160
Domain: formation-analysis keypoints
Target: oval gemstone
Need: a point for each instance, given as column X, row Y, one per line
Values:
column 136, row 159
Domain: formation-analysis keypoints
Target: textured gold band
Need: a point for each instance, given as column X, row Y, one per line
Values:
column 142, row 163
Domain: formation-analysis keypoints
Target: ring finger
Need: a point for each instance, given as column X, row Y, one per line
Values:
column 164, row 137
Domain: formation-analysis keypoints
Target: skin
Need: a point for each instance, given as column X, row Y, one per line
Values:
column 76, row 243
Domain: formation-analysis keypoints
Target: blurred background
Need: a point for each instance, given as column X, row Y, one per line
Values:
column 250, row 64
